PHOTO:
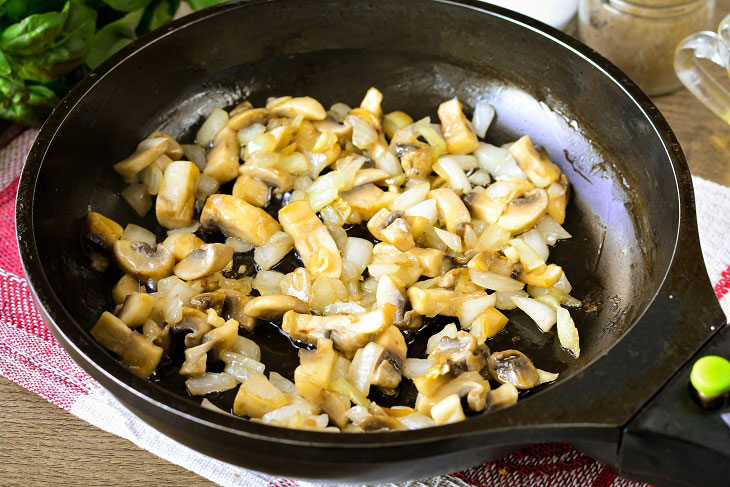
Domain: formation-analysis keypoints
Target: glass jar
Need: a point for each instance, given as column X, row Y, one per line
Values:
column 640, row 36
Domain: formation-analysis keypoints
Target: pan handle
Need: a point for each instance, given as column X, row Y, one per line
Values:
column 675, row 440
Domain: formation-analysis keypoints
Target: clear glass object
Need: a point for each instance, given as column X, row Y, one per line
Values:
column 710, row 46
column 640, row 36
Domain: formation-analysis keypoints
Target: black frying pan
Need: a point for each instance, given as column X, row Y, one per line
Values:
column 635, row 252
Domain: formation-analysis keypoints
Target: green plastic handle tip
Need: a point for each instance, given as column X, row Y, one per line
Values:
column 711, row 376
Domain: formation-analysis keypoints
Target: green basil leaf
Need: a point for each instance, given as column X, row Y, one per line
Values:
column 112, row 37
column 68, row 51
column 33, row 34
column 198, row 4
column 127, row 5
column 158, row 14
column 17, row 10
column 12, row 92
column 4, row 65
column 40, row 95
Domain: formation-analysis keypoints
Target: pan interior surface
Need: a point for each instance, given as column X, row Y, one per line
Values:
column 623, row 213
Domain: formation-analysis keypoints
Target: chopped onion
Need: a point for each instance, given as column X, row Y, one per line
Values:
column 215, row 122
column 339, row 235
column 357, row 252
column 206, row 404
column 239, row 371
column 416, row 420
column 247, row 133
column 196, row 154
column 325, row 189
column 191, row 229
column 295, row 164
column 358, row 414
column 152, row 178
column 267, row 282
column 273, row 250
column 540, row 313
column 233, row 358
column 543, row 377
column 387, row 161
column 180, row 290
column 302, row 183
column 509, row 169
column 480, row 178
column 364, row 135
column 482, row 119
column 492, row 238
column 490, row 157
column 451, row 240
column 571, row 302
column 340, row 369
column 551, row 230
column 504, row 299
column 563, row 285
column 427, row 209
column 135, row 233
column 495, row 282
column 339, row 111
column 282, row 383
column 567, row 332
column 447, row 168
column 344, row 308
column 238, row 244
column 410, row 197
column 465, row 162
column 210, row 382
column 284, row 415
column 247, row 347
column 342, row 386
column 138, row 198
column 416, row 367
column 534, row 239
column 172, row 311
column 208, row 185
column 363, row 366
column 433, row 341
column 472, row 308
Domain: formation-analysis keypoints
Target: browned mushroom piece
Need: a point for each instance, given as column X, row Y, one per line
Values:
column 196, row 323
column 459, row 137
column 536, row 164
column 470, row 385
column 558, row 198
column 277, row 178
column 174, row 149
column 523, row 212
column 222, row 161
column 181, row 244
column 415, row 159
column 102, row 232
column 211, row 300
column 247, row 117
column 503, row 396
column 380, row 422
column 514, row 367
column 136, row 309
column 142, row 261
column 127, row 285
column 451, row 208
column 222, row 338
column 251, row 190
column 134, row 350
column 234, row 306
column 392, row 227
column 411, row 321
column 331, row 125
column 307, row 107
column 236, row 218
column 147, row 151
column 176, row 197
column 206, row 260
column 273, row 306
column 463, row 351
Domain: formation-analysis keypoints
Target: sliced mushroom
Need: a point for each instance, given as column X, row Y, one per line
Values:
column 316, row 366
column 298, row 284
column 514, row 367
column 174, row 149
column 206, row 260
column 136, row 309
column 432, row 302
column 489, row 205
column 411, row 321
column 430, row 260
column 257, row 396
column 487, row 324
column 176, row 197
column 238, row 219
column 127, row 285
column 251, row 190
column 312, row 240
column 451, row 209
column 281, row 180
column 306, row 138
column 545, row 279
column 329, row 124
column 233, row 308
column 222, row 162
column 181, row 244
column 393, row 228
column 349, row 332
column 247, row 117
column 536, row 164
column 470, row 385
column 386, row 376
column 390, row 292
column 522, row 213
column 196, row 323
column 307, row 107
column 366, row 200
column 503, row 396
column 371, row 102
column 222, row 337
column 273, row 306
column 369, row 175
column 142, row 261
column 393, row 342
column 379, row 422
column 415, row 158
column 558, row 199
column 196, row 360
column 460, row 139
column 102, row 232
column 147, row 151
column 212, row 300
column 134, row 350
column 463, row 352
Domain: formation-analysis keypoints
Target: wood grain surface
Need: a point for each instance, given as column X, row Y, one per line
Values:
column 41, row 444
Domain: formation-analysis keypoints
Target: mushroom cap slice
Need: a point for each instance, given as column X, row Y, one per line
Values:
column 181, row 244
column 281, row 180
column 206, row 260
column 273, row 306
column 147, row 151
column 174, row 149
column 236, row 218
column 142, row 261
column 331, row 125
column 459, row 137
column 222, row 163
column 306, row 106
column 514, row 367
column 211, row 300
column 451, row 209
column 523, row 212
column 233, row 308
column 470, row 385
column 536, row 164
column 136, row 309
column 101, row 231
column 196, row 322
column 176, row 197
column 133, row 349
column 245, row 118
column 126, row 285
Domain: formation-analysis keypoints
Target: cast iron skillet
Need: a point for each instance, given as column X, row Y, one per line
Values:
column 635, row 253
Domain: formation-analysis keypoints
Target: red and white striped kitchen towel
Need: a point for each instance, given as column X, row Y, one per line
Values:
column 31, row 357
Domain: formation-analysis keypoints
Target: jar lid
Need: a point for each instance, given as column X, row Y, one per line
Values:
column 655, row 8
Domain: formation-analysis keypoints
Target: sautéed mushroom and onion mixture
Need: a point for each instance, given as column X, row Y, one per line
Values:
column 389, row 221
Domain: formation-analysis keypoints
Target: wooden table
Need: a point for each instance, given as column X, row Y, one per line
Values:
column 42, row 444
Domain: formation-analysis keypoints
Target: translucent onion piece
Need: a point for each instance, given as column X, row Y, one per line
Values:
column 363, row 366
column 495, row 282
column 344, row 308
column 465, row 162
column 534, row 239
column 247, row 347
column 152, row 178
column 358, row 414
column 449, row 169
column 416, row 420
column 482, row 119
column 427, row 209
column 246, row 133
column 563, row 285
column 210, row 382
column 273, row 250
column 490, row 157
column 172, row 311
column 504, row 299
column 416, row 367
column 551, row 230
column 567, row 332
column 282, row 383
column 325, row 189
column 339, row 111
column 451, row 240
column 542, row 314
column 480, row 178
column 472, row 308
column 357, row 252
column 215, row 122
column 206, row 404
column 239, row 371
column 138, row 198
column 433, row 341
column 191, row 229
column 239, row 245
column 410, row 197
column 207, row 185
column 135, row 233
column 267, row 282
column 196, row 154
column 544, row 377
column 364, row 135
